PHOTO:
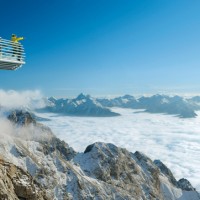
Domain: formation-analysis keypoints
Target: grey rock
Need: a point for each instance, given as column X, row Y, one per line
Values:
column 166, row 171
column 184, row 184
column 21, row 117
column 16, row 184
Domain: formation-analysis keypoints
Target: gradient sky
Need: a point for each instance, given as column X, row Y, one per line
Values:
column 104, row 47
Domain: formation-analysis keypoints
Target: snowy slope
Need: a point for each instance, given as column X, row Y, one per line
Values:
column 103, row 171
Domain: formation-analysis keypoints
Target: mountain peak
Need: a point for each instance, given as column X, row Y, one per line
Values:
column 184, row 184
column 81, row 96
column 21, row 117
column 52, row 99
column 127, row 96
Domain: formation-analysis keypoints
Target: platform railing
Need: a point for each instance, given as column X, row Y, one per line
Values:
column 11, row 51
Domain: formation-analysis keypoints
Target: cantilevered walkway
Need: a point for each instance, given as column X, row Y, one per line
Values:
column 12, row 55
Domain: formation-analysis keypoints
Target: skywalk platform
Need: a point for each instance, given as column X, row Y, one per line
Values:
column 12, row 55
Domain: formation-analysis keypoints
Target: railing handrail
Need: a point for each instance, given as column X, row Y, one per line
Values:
column 12, row 51
column 10, row 43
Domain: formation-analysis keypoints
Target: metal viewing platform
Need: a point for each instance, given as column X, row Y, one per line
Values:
column 12, row 55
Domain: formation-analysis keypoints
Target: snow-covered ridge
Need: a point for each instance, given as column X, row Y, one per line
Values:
column 85, row 105
column 103, row 171
column 175, row 105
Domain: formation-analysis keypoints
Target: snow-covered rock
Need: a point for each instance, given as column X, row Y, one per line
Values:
column 184, row 184
column 15, row 184
column 21, row 117
column 102, row 172
column 167, row 172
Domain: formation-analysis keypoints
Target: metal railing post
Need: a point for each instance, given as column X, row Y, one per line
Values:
column 12, row 54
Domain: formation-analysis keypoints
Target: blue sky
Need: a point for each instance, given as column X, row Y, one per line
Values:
column 104, row 47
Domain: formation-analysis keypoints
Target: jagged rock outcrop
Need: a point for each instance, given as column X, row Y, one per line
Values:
column 102, row 172
column 62, row 148
column 16, row 184
column 184, row 184
column 127, row 175
column 120, row 170
column 21, row 117
column 167, row 172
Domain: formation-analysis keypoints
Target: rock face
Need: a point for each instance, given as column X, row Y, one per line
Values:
column 167, row 172
column 120, row 171
column 102, row 172
column 15, row 184
column 124, row 175
column 83, row 105
column 62, row 148
column 184, row 184
column 21, row 117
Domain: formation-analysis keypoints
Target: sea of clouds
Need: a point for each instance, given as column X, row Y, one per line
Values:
column 175, row 141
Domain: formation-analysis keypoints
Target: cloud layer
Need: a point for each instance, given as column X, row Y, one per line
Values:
column 13, row 99
column 173, row 140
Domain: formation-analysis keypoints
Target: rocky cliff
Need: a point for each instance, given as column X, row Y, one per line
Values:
column 15, row 183
column 102, row 172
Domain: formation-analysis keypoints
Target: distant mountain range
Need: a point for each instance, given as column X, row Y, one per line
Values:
column 175, row 105
column 85, row 105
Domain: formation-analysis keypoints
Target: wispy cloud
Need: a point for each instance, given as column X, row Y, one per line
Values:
column 17, row 99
